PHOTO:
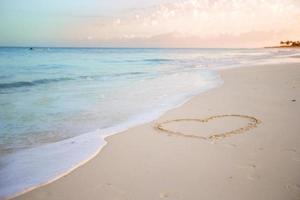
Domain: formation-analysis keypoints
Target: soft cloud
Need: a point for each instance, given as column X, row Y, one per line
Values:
column 214, row 20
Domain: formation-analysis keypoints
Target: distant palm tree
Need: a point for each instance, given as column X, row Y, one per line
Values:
column 290, row 43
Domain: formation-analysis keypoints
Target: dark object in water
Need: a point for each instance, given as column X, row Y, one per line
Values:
column 30, row 48
column 293, row 100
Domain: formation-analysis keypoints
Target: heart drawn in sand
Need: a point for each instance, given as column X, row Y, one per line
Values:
column 252, row 123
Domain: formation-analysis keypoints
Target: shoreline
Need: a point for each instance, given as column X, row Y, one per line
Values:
column 130, row 135
column 101, row 135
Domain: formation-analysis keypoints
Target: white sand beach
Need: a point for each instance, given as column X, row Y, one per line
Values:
column 261, row 162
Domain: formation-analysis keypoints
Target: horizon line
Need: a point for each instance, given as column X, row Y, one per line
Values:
column 103, row 47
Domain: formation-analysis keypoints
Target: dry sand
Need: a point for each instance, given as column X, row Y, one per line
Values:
column 144, row 163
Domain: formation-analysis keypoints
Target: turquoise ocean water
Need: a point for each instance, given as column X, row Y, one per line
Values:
column 57, row 104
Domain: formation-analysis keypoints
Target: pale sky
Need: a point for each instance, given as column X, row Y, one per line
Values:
column 148, row 23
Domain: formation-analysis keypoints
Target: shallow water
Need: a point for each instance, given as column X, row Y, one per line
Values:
column 59, row 103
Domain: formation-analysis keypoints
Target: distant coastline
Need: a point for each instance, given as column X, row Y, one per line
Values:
column 287, row 44
column 282, row 47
